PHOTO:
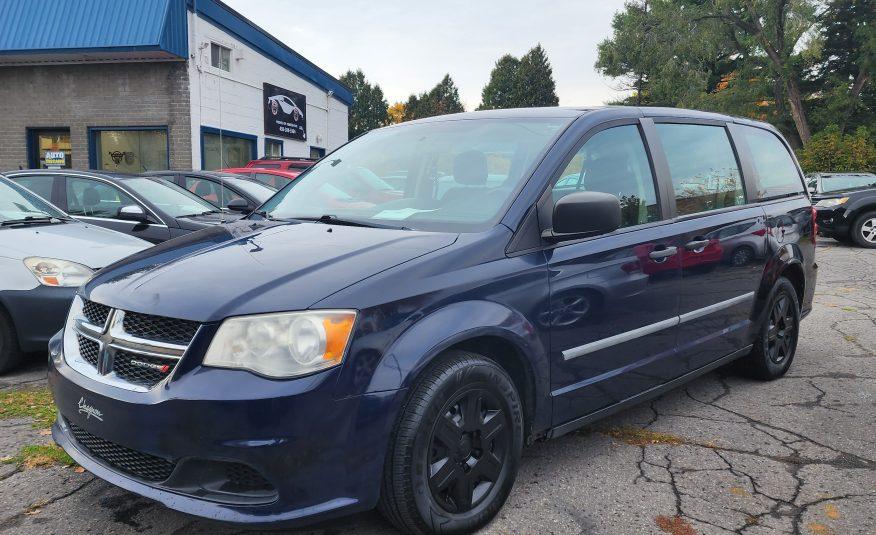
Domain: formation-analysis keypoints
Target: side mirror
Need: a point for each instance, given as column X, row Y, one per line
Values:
column 239, row 205
column 132, row 212
column 583, row 214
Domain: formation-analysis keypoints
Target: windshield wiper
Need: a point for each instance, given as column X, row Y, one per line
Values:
column 31, row 220
column 329, row 219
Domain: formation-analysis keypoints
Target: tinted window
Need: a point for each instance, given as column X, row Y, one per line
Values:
column 17, row 202
column 41, row 185
column 614, row 161
column 210, row 191
column 170, row 198
column 256, row 190
column 705, row 175
column 87, row 197
column 274, row 181
column 776, row 171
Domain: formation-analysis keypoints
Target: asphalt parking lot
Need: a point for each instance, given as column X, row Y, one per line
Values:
column 723, row 455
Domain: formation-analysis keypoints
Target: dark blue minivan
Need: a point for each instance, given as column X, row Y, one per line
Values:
column 392, row 327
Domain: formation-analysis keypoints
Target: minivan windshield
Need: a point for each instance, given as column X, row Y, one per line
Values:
column 172, row 199
column 834, row 183
column 19, row 204
column 450, row 176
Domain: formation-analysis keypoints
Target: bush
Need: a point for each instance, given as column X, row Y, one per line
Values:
column 829, row 150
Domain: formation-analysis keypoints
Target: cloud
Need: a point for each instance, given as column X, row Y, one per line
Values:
column 407, row 47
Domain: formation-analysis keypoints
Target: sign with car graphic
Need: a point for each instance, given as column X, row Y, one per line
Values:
column 285, row 113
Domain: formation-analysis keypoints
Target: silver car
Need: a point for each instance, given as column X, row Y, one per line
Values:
column 45, row 255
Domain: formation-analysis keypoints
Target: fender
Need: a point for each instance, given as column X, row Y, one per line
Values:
column 786, row 255
column 856, row 207
column 416, row 348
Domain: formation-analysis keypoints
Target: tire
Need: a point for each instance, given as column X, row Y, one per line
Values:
column 864, row 230
column 776, row 344
column 459, row 385
column 10, row 354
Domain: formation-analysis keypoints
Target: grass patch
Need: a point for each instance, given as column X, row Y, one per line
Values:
column 33, row 403
column 642, row 437
column 41, row 456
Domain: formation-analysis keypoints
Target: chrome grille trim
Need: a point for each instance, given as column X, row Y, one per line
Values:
column 112, row 340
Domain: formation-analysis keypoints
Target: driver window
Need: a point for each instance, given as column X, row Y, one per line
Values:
column 86, row 197
column 614, row 161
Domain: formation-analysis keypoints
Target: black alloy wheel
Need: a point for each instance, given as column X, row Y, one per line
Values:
column 454, row 452
column 775, row 346
column 781, row 330
column 469, row 446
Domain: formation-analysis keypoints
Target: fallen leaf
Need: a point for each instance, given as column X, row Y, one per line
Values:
column 674, row 525
column 738, row 491
column 849, row 338
column 79, row 470
column 831, row 511
column 818, row 529
column 850, row 309
column 6, row 459
column 45, row 432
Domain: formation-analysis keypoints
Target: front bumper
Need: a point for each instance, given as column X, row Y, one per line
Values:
column 832, row 221
column 322, row 456
column 37, row 313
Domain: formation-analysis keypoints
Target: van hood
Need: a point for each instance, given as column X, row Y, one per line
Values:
column 82, row 243
column 252, row 267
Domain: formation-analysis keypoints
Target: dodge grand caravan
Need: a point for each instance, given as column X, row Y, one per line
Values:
column 534, row 271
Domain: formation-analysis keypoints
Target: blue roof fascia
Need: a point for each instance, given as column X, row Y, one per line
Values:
column 248, row 32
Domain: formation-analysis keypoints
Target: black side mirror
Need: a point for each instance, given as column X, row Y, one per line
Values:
column 239, row 205
column 583, row 214
column 132, row 212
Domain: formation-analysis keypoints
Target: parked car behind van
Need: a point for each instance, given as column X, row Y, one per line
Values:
column 846, row 205
column 144, row 207
column 399, row 352
column 45, row 255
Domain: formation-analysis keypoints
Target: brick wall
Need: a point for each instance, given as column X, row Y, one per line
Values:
column 84, row 95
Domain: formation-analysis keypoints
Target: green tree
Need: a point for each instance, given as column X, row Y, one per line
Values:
column 831, row 150
column 535, row 81
column 369, row 109
column 440, row 100
column 499, row 93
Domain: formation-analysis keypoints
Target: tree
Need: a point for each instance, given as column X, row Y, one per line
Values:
column 369, row 109
column 440, row 100
column 535, row 81
column 396, row 113
column 499, row 93
column 831, row 150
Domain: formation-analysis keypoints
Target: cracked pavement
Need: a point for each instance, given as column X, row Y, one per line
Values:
column 725, row 454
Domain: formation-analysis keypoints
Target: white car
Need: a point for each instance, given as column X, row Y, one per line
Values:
column 285, row 103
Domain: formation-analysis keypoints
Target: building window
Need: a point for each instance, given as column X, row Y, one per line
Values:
column 273, row 148
column 129, row 149
column 317, row 152
column 230, row 149
column 49, row 148
column 220, row 57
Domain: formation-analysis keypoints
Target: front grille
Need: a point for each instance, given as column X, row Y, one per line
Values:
column 142, row 370
column 140, row 465
column 95, row 312
column 245, row 478
column 159, row 328
column 89, row 350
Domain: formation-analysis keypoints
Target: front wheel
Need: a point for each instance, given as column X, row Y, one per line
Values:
column 10, row 354
column 776, row 344
column 456, row 448
column 864, row 230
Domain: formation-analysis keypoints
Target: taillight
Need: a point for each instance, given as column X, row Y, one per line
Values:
column 814, row 224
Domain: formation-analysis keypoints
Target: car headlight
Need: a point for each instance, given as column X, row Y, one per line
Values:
column 54, row 272
column 827, row 203
column 288, row 344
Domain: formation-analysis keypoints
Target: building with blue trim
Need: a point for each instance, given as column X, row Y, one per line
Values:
column 134, row 85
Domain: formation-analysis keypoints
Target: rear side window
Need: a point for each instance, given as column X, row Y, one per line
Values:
column 705, row 175
column 86, row 197
column 39, row 184
column 614, row 161
column 775, row 169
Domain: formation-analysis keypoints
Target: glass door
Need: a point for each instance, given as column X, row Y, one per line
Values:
column 50, row 149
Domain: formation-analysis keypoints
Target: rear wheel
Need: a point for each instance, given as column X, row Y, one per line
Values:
column 776, row 344
column 10, row 354
column 456, row 448
column 864, row 230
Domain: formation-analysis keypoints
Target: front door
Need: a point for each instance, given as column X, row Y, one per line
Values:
column 724, row 242
column 98, row 202
column 614, row 299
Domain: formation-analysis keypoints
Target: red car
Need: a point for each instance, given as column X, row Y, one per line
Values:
column 285, row 163
column 275, row 178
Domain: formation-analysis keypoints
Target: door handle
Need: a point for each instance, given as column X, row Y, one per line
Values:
column 696, row 244
column 662, row 254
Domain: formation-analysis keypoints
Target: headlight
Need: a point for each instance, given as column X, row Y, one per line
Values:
column 827, row 203
column 289, row 344
column 53, row 272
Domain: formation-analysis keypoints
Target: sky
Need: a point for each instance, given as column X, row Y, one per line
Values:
column 407, row 46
